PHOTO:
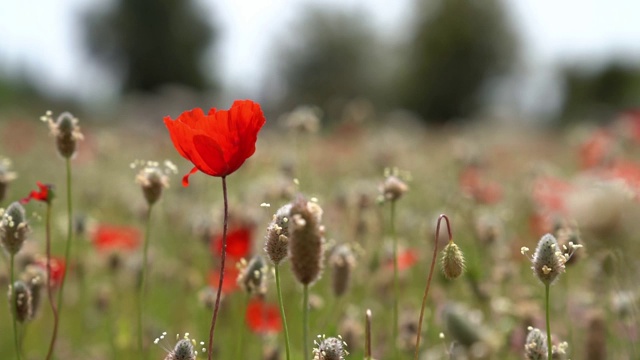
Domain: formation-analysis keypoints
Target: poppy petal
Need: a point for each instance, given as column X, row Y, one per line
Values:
column 185, row 179
column 212, row 155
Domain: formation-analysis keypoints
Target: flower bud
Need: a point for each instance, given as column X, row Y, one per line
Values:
column 20, row 299
column 277, row 239
column 452, row 261
column 548, row 261
column 306, row 240
column 13, row 228
column 535, row 347
column 67, row 133
column 329, row 349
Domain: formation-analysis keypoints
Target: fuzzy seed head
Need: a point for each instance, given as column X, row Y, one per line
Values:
column 393, row 188
column 329, row 348
column 13, row 228
column 20, row 300
column 252, row 276
column 342, row 261
column 183, row 351
column 277, row 238
column 153, row 179
column 535, row 347
column 35, row 278
column 548, row 261
column 452, row 261
column 66, row 131
column 306, row 240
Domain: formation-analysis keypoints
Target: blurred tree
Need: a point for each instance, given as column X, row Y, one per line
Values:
column 599, row 93
column 327, row 62
column 459, row 47
column 151, row 43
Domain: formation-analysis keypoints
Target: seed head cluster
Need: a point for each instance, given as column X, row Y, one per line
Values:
column 452, row 261
column 342, row 261
column 329, row 348
column 20, row 299
column 548, row 260
column 185, row 348
column 535, row 347
column 277, row 238
column 252, row 276
column 13, row 228
column 66, row 131
column 153, row 178
column 306, row 240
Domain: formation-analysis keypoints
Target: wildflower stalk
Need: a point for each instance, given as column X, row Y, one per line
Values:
column 305, row 320
column 426, row 290
column 67, row 250
column 396, row 291
column 141, row 287
column 222, row 260
column 49, row 287
column 284, row 319
column 549, row 347
column 367, row 335
column 13, row 305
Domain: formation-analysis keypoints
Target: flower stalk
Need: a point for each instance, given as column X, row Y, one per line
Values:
column 141, row 284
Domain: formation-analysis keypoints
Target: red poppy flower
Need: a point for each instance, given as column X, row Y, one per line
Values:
column 406, row 259
column 262, row 317
column 58, row 268
column 550, row 194
column 473, row 185
column 217, row 143
column 108, row 237
column 238, row 243
column 627, row 173
column 596, row 150
column 229, row 283
column 44, row 194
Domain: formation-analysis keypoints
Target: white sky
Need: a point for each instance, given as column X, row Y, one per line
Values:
column 43, row 36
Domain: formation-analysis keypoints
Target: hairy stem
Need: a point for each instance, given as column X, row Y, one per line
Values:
column 426, row 290
column 284, row 319
column 222, row 260
column 141, row 287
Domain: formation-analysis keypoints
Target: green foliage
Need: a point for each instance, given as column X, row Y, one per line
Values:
column 458, row 47
column 604, row 91
column 151, row 43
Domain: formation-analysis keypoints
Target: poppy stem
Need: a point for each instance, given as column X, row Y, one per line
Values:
column 396, row 291
column 141, row 286
column 284, row 319
column 49, row 287
column 13, row 307
column 426, row 290
column 222, row 260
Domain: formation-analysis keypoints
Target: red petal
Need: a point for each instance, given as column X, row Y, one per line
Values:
column 262, row 317
column 185, row 179
column 238, row 243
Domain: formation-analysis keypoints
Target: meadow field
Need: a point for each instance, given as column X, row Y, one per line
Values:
column 502, row 186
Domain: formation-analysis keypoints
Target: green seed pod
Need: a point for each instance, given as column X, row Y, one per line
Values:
column 548, row 262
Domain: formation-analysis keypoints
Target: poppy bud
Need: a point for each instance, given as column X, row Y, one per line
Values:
column 277, row 239
column 452, row 261
column 20, row 299
column 342, row 262
column 13, row 228
column 306, row 240
column 329, row 348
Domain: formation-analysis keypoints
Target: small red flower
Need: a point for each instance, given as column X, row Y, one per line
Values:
column 263, row 318
column 473, row 184
column 596, row 150
column 58, row 268
column 109, row 237
column 229, row 283
column 238, row 243
column 44, row 194
column 217, row 143
column 406, row 259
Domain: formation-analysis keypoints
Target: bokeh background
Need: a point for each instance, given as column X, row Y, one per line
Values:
column 536, row 61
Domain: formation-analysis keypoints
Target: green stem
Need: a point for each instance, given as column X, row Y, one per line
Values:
column 305, row 321
column 13, row 307
column 243, row 328
column 145, row 252
column 549, row 345
column 222, row 260
column 284, row 319
column 396, row 291
column 426, row 290
column 49, row 287
column 66, row 253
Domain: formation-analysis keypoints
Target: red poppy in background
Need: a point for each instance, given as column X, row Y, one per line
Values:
column 550, row 194
column 475, row 186
column 58, row 268
column 238, row 243
column 596, row 150
column 44, row 194
column 229, row 283
column 217, row 143
column 262, row 317
column 626, row 172
column 406, row 259
column 108, row 237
